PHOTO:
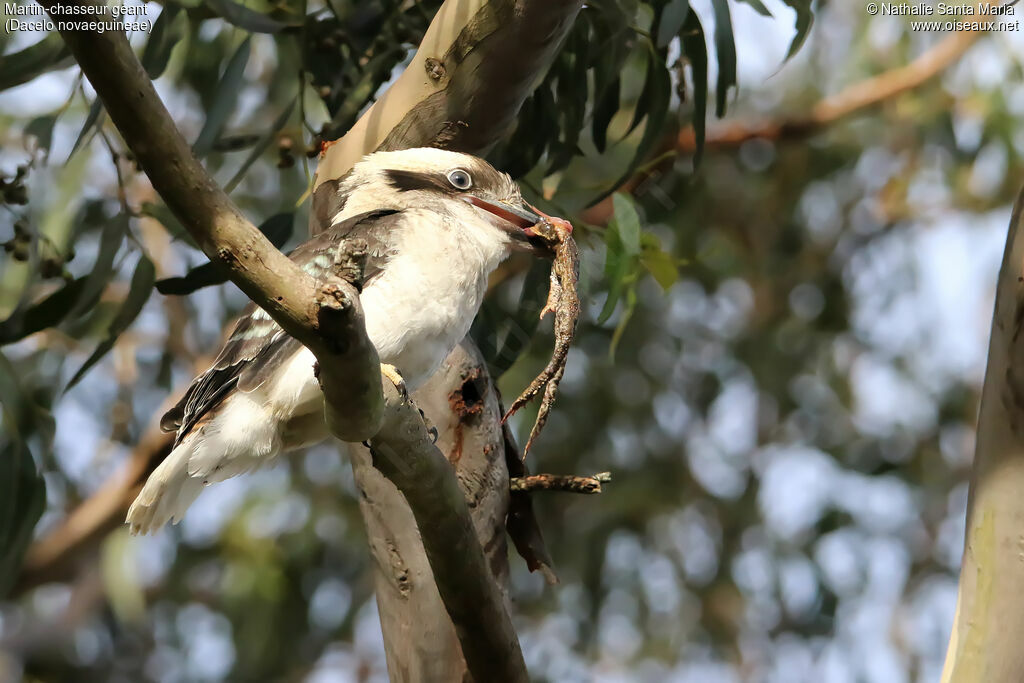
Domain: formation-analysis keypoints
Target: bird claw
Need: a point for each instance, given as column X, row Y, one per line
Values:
column 392, row 373
column 431, row 429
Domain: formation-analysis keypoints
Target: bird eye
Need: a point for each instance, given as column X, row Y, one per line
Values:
column 459, row 179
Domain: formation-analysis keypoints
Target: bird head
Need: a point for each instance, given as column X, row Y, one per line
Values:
column 463, row 186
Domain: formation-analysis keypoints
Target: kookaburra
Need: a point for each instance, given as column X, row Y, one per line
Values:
column 436, row 224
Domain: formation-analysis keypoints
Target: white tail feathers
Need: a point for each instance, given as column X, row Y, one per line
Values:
column 167, row 494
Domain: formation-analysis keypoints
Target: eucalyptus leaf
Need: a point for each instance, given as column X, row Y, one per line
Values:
column 804, row 20
column 627, row 314
column 517, row 329
column 243, row 17
column 92, row 120
column 661, row 265
column 627, row 221
column 671, row 21
column 696, row 50
column 47, row 313
column 261, row 145
column 168, row 30
column 617, row 267
column 141, row 286
column 41, row 128
column 725, row 48
column 660, row 94
column 277, row 228
column 48, row 54
column 604, row 110
column 758, row 7
column 224, row 101
column 24, row 494
column 103, row 268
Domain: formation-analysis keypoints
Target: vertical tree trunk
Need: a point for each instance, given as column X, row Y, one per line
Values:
column 985, row 642
column 421, row 644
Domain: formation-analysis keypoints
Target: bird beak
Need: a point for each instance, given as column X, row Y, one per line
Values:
column 519, row 222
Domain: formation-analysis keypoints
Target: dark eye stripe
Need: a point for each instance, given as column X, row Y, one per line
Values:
column 405, row 181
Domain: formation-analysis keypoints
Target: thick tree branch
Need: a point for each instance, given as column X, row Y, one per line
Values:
column 984, row 644
column 325, row 316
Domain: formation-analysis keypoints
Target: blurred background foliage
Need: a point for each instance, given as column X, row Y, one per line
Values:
column 779, row 360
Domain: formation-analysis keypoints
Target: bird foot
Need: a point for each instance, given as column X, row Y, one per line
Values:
column 431, row 429
column 392, row 373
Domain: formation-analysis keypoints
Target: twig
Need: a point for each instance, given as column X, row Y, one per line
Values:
column 569, row 483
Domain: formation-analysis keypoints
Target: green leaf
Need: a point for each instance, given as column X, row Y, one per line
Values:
column 643, row 102
column 22, row 493
column 277, row 228
column 758, row 7
column 24, row 500
column 47, row 313
column 660, row 88
column 138, row 294
column 41, row 128
column 168, row 29
column 627, row 313
column 627, row 222
column 671, row 21
column 91, row 121
column 696, row 50
column 261, row 145
column 725, row 48
column 617, row 267
column 224, row 101
column 804, row 20
column 661, row 266
column 243, row 17
column 604, row 110
column 102, row 269
column 21, row 67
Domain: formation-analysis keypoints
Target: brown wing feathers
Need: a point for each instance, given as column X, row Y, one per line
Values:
column 258, row 346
